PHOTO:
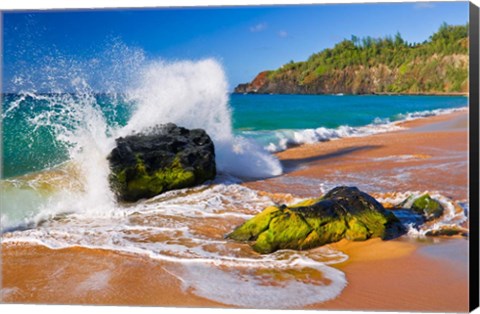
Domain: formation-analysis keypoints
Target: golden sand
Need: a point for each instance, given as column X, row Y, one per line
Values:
column 394, row 276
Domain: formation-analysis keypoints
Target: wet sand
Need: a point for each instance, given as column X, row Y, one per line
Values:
column 428, row 154
column 382, row 275
column 36, row 274
column 395, row 275
column 398, row 276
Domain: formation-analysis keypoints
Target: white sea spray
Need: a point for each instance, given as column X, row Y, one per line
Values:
column 153, row 92
column 194, row 95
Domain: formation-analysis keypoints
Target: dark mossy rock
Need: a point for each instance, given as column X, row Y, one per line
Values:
column 166, row 157
column 427, row 207
column 344, row 212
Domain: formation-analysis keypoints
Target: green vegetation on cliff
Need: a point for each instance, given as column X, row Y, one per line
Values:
column 376, row 65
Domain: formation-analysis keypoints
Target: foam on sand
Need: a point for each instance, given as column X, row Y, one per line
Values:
column 187, row 227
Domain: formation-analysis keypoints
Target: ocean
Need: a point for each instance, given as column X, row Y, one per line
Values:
column 281, row 121
column 55, row 192
column 275, row 122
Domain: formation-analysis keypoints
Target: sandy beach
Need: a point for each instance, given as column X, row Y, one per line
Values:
column 427, row 154
column 399, row 275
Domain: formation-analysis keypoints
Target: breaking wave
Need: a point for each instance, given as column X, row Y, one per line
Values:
column 63, row 122
column 279, row 140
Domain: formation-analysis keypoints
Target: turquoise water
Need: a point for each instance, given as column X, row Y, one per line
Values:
column 273, row 112
column 282, row 121
column 31, row 124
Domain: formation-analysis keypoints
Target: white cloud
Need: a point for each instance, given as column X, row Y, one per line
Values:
column 258, row 28
column 283, row 34
column 424, row 5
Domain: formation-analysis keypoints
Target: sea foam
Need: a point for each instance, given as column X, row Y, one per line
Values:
column 182, row 227
column 454, row 216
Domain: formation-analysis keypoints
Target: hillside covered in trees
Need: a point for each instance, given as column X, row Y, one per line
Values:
column 368, row 65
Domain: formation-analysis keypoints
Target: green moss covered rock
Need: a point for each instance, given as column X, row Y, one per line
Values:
column 428, row 207
column 344, row 212
column 166, row 157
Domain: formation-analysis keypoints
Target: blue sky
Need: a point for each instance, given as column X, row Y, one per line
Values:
column 246, row 40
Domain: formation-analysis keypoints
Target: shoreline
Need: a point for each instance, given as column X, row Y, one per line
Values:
column 436, row 147
column 381, row 275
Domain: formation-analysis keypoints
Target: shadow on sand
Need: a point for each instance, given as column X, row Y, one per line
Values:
column 290, row 165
